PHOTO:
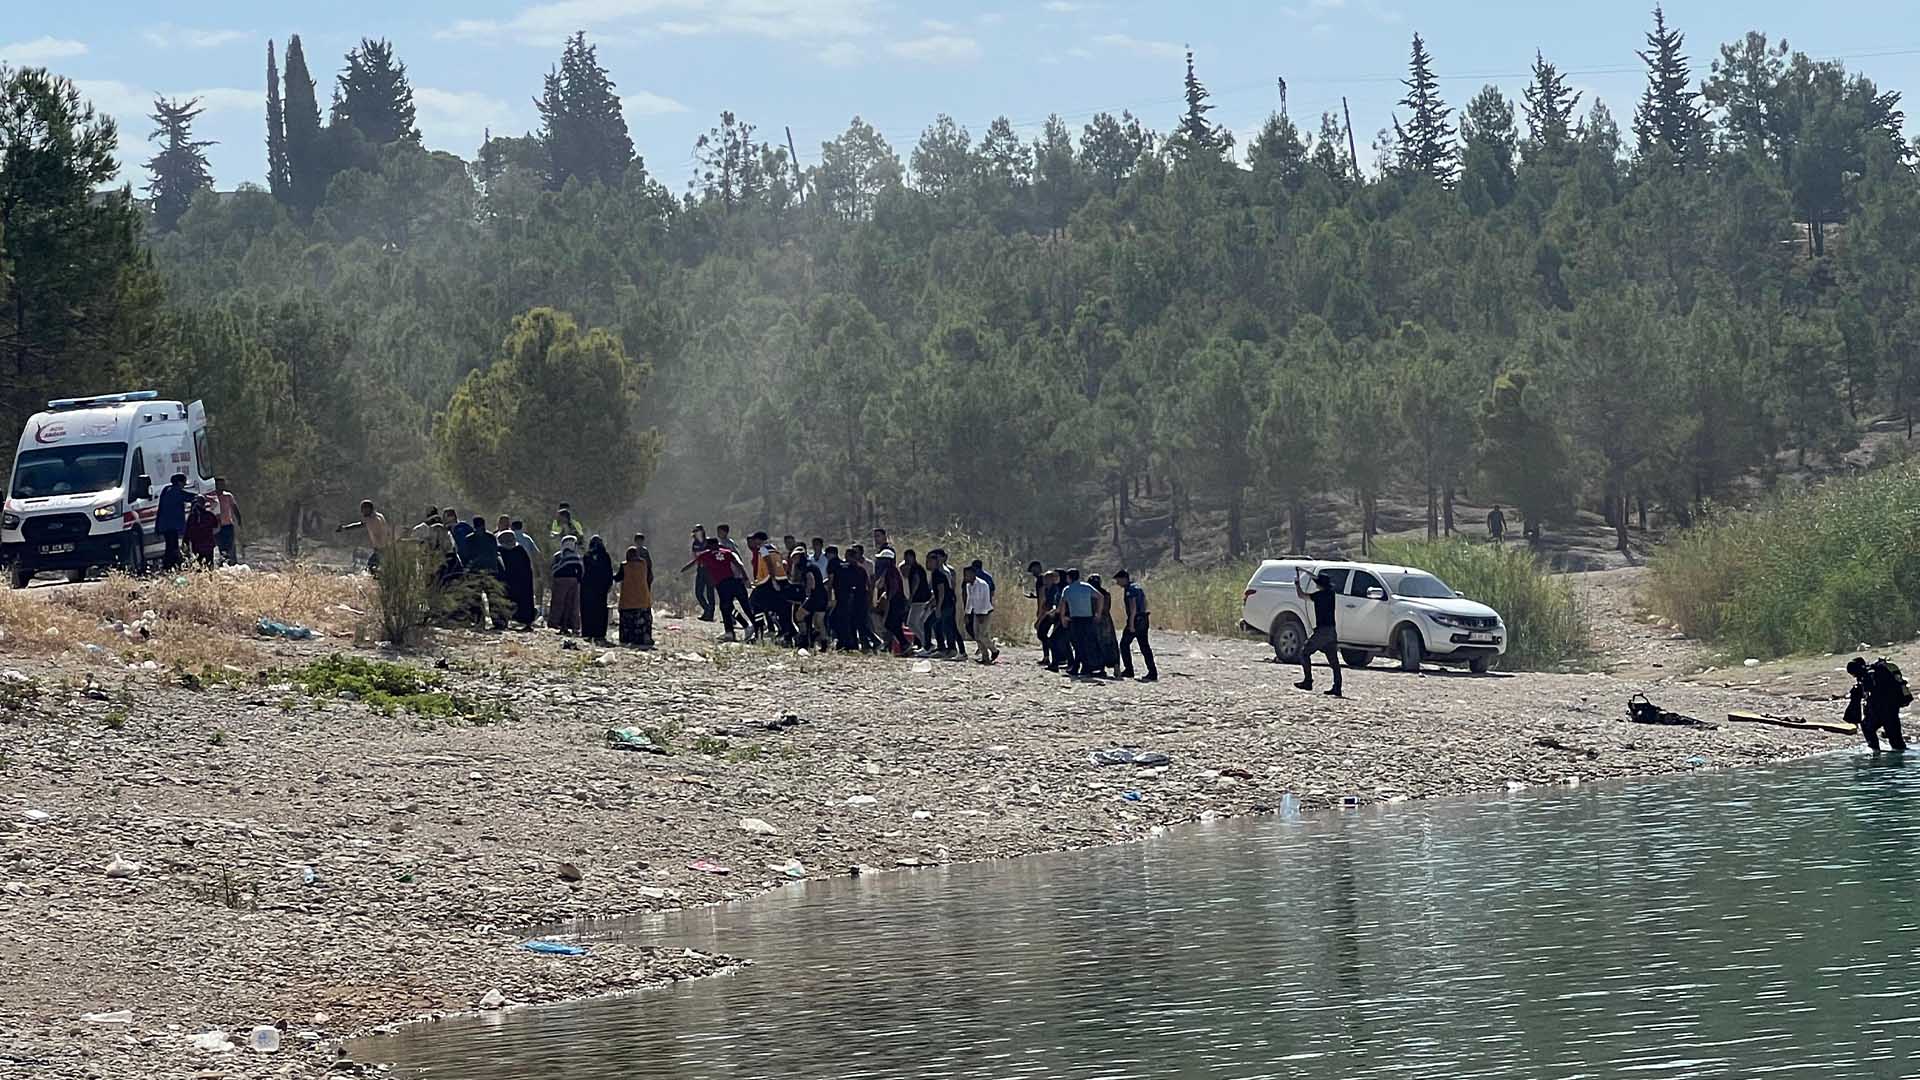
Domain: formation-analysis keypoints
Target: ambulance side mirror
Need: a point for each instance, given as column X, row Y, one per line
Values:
column 142, row 488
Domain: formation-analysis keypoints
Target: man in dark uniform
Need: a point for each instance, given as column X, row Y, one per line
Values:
column 1319, row 587
column 1875, row 701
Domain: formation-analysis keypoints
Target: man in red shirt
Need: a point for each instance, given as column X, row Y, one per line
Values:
column 723, row 570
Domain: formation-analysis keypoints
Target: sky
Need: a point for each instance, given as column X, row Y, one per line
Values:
column 815, row 64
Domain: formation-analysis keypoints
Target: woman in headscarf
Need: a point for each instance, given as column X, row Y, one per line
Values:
column 595, row 584
column 1109, row 658
column 516, row 571
column 563, row 596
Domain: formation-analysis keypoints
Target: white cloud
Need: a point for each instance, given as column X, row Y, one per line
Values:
column 1063, row 6
column 648, row 103
column 448, row 116
column 937, row 27
column 1159, row 50
column 169, row 36
column 937, row 49
column 124, row 100
column 41, row 49
column 841, row 54
column 547, row 24
column 1079, row 53
column 990, row 18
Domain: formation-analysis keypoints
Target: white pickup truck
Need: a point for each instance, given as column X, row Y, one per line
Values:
column 1396, row 611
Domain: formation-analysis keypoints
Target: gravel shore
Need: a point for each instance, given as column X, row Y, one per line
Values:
column 317, row 863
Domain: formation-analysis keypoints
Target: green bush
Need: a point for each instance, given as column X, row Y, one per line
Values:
column 388, row 688
column 1815, row 571
column 1204, row 600
column 1545, row 623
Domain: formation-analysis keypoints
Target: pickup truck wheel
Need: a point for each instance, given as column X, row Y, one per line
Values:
column 22, row 576
column 1410, row 648
column 75, row 577
column 1480, row 665
column 1288, row 637
column 1355, row 659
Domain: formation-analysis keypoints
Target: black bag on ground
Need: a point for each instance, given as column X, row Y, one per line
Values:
column 1642, row 711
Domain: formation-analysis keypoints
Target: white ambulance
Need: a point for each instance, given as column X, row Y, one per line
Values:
column 87, row 479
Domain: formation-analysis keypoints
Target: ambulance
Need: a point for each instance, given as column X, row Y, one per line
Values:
column 86, row 482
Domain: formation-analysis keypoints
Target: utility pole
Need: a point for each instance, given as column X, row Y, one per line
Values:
column 1283, row 93
column 793, row 157
column 1353, row 154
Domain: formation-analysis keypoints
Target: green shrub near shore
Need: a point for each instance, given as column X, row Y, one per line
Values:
column 1545, row 623
column 1816, row 571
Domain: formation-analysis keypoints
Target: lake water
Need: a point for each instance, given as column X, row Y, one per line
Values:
column 1735, row 924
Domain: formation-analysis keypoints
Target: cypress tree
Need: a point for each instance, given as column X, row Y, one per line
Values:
column 1549, row 105
column 581, row 124
column 1667, row 115
column 306, row 155
column 180, row 169
column 276, row 135
column 1196, row 137
column 1425, row 145
column 374, row 95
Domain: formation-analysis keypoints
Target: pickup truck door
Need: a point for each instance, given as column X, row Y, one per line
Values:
column 1365, row 621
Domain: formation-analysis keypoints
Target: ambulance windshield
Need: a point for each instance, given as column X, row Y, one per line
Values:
column 69, row 470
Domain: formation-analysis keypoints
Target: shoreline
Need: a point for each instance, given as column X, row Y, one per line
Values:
column 574, row 932
column 432, row 843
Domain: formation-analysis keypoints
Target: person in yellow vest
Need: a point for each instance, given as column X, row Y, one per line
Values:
column 769, row 587
column 636, row 599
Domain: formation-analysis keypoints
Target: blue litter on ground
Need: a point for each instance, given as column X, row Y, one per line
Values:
column 553, row 948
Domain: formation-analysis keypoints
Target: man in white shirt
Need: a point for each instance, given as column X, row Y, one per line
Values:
column 979, row 601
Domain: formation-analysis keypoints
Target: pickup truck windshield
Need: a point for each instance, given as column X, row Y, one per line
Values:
column 69, row 470
column 1420, row 587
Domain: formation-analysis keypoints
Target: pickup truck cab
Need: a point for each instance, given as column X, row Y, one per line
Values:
column 1381, row 610
column 85, row 486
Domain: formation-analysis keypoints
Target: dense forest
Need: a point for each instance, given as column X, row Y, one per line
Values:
column 1533, row 300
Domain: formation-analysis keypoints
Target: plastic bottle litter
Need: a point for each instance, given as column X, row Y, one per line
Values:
column 757, row 827
column 308, row 877
column 1751, row 662
column 923, row 667
column 862, row 800
column 213, row 1042
column 1133, row 796
column 264, row 1040
column 35, row 816
column 118, row 1016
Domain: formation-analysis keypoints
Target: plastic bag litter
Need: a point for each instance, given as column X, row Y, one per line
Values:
column 630, row 738
column 291, row 631
column 553, row 948
column 1126, row 755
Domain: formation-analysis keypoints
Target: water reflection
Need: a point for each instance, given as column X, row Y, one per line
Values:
column 1752, row 924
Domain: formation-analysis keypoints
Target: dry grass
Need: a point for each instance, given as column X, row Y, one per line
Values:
column 194, row 619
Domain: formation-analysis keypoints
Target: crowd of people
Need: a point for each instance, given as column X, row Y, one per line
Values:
column 802, row 596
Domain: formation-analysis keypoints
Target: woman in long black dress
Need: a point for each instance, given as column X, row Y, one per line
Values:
column 595, row 584
column 516, row 572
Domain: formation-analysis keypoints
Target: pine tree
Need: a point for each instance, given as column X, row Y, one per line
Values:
column 374, row 95
column 306, row 154
column 1196, row 138
column 180, row 169
column 277, row 180
column 1667, row 116
column 1549, row 105
column 1425, row 146
column 580, row 120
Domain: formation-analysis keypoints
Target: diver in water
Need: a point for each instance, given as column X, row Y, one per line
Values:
column 1879, row 693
